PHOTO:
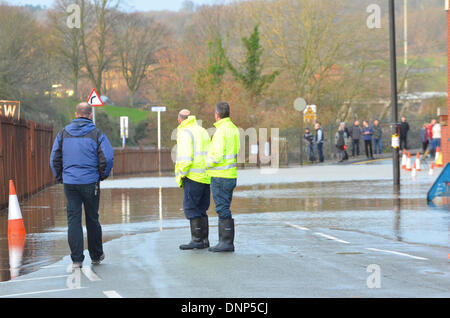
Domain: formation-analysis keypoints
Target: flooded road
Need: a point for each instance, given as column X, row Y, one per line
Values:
column 367, row 206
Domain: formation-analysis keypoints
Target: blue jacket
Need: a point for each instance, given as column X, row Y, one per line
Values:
column 369, row 136
column 81, row 154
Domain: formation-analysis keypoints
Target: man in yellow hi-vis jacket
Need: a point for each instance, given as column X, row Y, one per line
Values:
column 221, row 166
column 192, row 148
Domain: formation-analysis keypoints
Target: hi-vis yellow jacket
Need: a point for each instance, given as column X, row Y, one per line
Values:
column 192, row 148
column 223, row 150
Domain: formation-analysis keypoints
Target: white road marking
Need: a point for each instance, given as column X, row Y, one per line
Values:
column 30, row 279
column 332, row 238
column 396, row 253
column 40, row 292
column 112, row 294
column 89, row 273
column 297, row 226
column 53, row 266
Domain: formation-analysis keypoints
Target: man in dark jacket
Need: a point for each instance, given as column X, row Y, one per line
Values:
column 355, row 132
column 309, row 140
column 377, row 137
column 81, row 157
column 404, row 128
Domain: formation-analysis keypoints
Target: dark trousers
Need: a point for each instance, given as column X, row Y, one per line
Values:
column 320, row 151
column 403, row 143
column 196, row 198
column 368, row 148
column 222, row 191
column 355, row 147
column 87, row 195
column 424, row 146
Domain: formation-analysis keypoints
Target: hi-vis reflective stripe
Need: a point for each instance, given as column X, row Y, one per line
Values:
column 196, row 153
column 192, row 138
column 223, row 167
column 190, row 170
column 197, row 170
column 225, row 157
column 212, row 159
column 189, row 159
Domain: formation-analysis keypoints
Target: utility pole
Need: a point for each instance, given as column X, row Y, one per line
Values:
column 394, row 104
column 405, row 41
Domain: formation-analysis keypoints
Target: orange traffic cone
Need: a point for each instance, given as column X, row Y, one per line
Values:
column 16, row 245
column 16, row 232
column 417, row 162
column 404, row 160
column 431, row 171
column 408, row 162
column 439, row 161
column 15, row 221
column 438, row 153
column 413, row 172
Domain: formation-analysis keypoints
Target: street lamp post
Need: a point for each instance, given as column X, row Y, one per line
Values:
column 393, row 59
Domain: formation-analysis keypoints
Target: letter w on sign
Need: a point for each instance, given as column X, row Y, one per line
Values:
column 10, row 109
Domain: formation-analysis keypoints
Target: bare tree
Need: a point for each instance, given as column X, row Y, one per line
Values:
column 67, row 40
column 137, row 39
column 22, row 55
column 96, row 39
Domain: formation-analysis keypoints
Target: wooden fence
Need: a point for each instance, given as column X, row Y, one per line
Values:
column 25, row 148
column 132, row 161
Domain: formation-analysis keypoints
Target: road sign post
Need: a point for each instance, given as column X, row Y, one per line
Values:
column 95, row 101
column 159, row 109
column 299, row 105
column 123, row 129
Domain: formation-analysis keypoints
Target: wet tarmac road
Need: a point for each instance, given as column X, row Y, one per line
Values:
column 361, row 211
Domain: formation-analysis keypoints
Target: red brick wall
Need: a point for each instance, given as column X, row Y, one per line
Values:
column 446, row 128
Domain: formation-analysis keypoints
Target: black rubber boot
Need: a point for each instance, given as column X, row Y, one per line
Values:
column 226, row 236
column 196, row 235
column 205, row 231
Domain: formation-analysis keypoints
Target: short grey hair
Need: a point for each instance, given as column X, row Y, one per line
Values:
column 84, row 109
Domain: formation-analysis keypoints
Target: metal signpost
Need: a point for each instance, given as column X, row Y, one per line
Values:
column 123, row 129
column 159, row 109
column 95, row 101
column 300, row 105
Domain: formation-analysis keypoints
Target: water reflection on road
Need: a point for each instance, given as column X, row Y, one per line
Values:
column 368, row 206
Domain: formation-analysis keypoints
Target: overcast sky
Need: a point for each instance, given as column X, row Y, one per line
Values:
column 129, row 5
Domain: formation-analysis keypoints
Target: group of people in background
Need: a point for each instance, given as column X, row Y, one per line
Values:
column 370, row 134
column 430, row 135
column 344, row 137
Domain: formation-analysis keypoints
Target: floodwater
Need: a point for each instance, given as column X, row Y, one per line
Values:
column 365, row 205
